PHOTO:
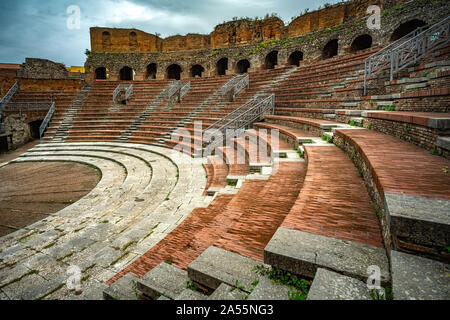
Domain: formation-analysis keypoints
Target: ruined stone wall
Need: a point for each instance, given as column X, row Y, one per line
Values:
column 18, row 126
column 34, row 68
column 275, row 38
column 7, row 79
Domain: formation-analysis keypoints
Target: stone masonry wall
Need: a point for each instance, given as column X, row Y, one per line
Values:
column 194, row 49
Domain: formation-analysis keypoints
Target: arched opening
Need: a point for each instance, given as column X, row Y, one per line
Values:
column 361, row 43
column 151, row 71
column 295, row 58
column 126, row 73
column 406, row 28
column 197, row 70
column 271, row 60
column 222, row 66
column 242, row 66
column 330, row 50
column 100, row 73
column 174, row 72
column 133, row 40
column 34, row 128
column 106, row 40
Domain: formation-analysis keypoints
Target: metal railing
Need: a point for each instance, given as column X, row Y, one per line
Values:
column 8, row 96
column 129, row 90
column 179, row 90
column 185, row 89
column 237, row 120
column 173, row 89
column 46, row 120
column 116, row 93
column 243, row 83
column 230, row 84
column 236, row 85
column 27, row 106
column 407, row 50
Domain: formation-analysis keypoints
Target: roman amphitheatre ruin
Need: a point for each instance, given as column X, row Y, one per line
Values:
column 331, row 182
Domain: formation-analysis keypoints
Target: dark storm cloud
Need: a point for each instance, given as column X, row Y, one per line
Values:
column 37, row 28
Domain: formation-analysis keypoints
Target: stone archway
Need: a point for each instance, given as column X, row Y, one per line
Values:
column 331, row 49
column 100, row 73
column 173, row 72
column 360, row 43
column 222, row 66
column 197, row 71
column 405, row 28
column 126, row 74
column 242, row 66
column 271, row 60
column 295, row 58
column 152, row 69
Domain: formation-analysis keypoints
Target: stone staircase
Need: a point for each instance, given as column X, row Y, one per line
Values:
column 67, row 121
column 140, row 119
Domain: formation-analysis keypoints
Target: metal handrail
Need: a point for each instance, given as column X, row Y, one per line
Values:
column 173, row 89
column 116, row 92
column 185, row 89
column 243, row 83
column 240, row 118
column 46, row 120
column 129, row 92
column 8, row 95
column 230, row 84
column 408, row 49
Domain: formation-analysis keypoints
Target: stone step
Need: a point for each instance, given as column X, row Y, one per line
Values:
column 385, row 103
column 188, row 294
column 226, row 292
column 215, row 266
column 329, row 285
column 443, row 142
column 303, row 253
column 420, row 220
column 123, row 289
column 417, row 278
column 165, row 280
column 416, row 86
column 267, row 289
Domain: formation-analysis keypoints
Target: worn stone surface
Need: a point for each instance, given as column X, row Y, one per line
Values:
column 164, row 280
column 420, row 220
column 267, row 289
column 303, row 253
column 226, row 292
column 328, row 285
column 123, row 289
column 417, row 278
column 188, row 294
column 215, row 266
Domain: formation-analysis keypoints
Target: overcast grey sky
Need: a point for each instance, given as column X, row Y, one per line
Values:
column 38, row 28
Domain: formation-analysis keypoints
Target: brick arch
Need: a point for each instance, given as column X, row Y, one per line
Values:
column 221, row 66
column 126, row 73
column 361, row 42
column 406, row 26
column 151, row 70
column 173, row 71
column 330, row 49
column 197, row 70
column 295, row 57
